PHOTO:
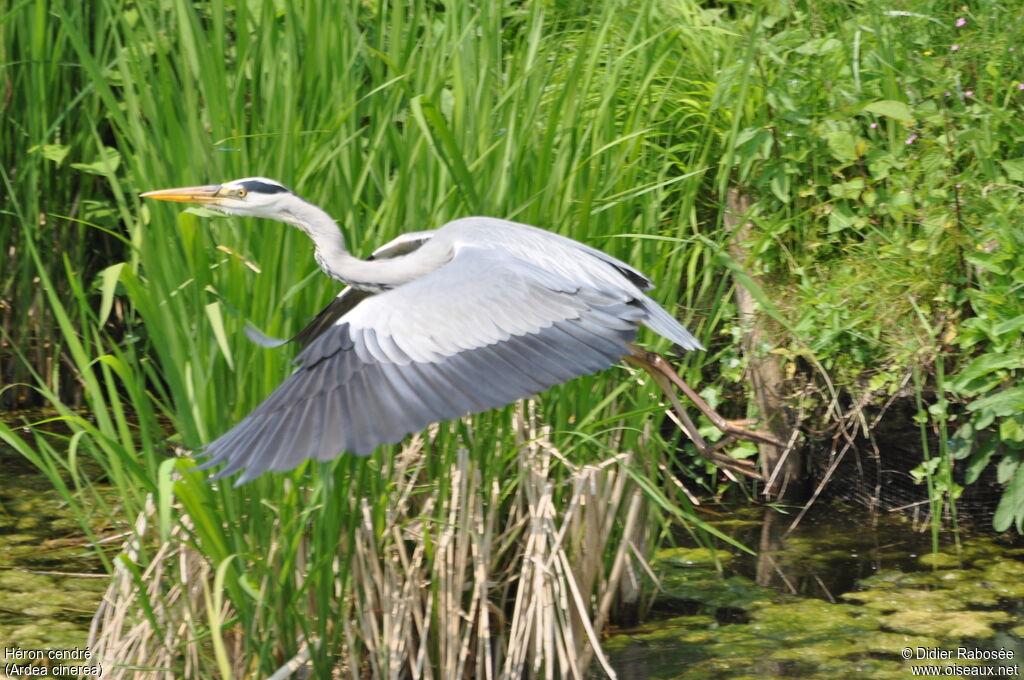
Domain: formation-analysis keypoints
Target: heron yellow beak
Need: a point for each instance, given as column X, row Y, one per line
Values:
column 205, row 194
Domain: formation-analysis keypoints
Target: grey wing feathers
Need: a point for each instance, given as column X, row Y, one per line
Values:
column 479, row 332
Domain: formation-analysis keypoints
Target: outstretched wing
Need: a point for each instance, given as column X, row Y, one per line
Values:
column 481, row 331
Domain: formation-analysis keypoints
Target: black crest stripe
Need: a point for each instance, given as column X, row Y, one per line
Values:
column 263, row 187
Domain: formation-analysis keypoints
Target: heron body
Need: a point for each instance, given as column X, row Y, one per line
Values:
column 435, row 325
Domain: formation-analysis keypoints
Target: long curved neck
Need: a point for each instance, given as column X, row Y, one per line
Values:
column 336, row 261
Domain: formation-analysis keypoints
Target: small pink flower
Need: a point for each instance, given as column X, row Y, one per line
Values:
column 910, row 139
column 954, row 48
column 969, row 93
column 948, row 93
column 960, row 22
column 874, row 125
column 1020, row 86
column 958, row 186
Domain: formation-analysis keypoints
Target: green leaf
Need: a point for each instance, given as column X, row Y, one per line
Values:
column 840, row 218
column 1011, row 506
column 108, row 285
column 1014, row 168
column 1012, row 429
column 106, row 164
column 818, row 46
column 213, row 313
column 980, row 459
column 52, row 152
column 965, row 382
column 1014, row 325
column 849, row 189
column 992, row 262
column 1003, row 403
column 890, row 109
column 780, row 185
column 843, row 145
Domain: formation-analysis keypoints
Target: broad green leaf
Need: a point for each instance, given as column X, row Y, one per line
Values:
column 844, row 145
column 52, row 152
column 818, row 46
column 1003, row 403
column 106, row 164
column 1012, row 429
column 1011, row 506
column 1014, row 168
column 980, row 460
column 840, row 218
column 1014, row 325
column 890, row 109
column 849, row 189
column 992, row 262
column 983, row 366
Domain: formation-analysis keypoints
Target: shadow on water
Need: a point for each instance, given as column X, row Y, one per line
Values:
column 50, row 579
column 845, row 595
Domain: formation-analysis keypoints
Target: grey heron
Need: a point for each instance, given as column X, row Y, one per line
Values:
column 438, row 324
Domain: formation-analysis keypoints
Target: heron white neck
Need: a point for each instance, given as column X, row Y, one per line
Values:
column 334, row 259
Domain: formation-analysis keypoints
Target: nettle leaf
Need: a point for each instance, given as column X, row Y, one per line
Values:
column 849, row 189
column 1014, row 168
column 818, row 46
column 890, row 109
column 844, row 145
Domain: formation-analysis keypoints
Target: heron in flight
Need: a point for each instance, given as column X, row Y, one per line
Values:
column 438, row 324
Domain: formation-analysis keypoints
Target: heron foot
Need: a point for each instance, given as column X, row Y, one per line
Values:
column 667, row 378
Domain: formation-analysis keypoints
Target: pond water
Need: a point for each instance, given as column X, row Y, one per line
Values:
column 845, row 595
column 50, row 580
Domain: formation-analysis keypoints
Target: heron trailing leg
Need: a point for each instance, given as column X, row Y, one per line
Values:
column 666, row 377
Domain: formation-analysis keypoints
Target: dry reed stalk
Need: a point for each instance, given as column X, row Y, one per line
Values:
column 129, row 644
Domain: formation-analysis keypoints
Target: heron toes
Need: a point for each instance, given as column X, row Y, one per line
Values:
column 739, row 430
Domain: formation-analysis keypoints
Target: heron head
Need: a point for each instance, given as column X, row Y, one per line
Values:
column 251, row 197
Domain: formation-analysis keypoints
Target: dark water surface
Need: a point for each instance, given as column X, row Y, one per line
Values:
column 845, row 595
column 50, row 579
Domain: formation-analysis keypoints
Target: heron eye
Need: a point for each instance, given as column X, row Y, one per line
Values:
column 241, row 193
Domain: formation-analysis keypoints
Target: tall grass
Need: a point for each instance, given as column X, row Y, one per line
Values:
column 395, row 116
